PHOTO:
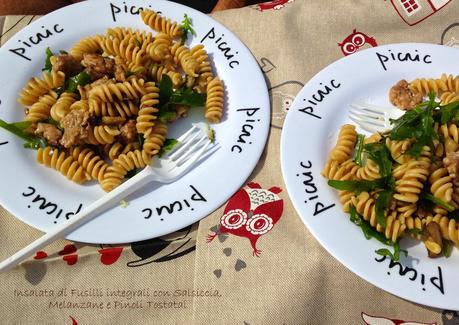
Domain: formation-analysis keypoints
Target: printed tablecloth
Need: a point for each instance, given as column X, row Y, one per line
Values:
column 195, row 276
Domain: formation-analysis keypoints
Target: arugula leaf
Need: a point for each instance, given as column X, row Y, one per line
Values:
column 181, row 96
column 433, row 199
column 186, row 96
column 447, row 248
column 165, row 90
column 368, row 231
column 18, row 129
column 80, row 79
column 48, row 66
column 141, row 139
column 448, row 112
column 137, row 42
column 379, row 153
column 395, row 256
column 132, row 172
column 169, row 144
column 417, row 123
column 55, row 123
column 167, row 116
column 359, row 149
column 415, row 231
column 357, row 185
column 382, row 203
column 187, row 27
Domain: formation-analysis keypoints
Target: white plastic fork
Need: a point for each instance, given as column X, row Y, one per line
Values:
column 190, row 147
column 373, row 118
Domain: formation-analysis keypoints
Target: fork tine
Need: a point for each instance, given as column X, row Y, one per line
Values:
column 367, row 126
column 368, row 106
column 187, row 164
column 181, row 141
column 193, row 149
column 363, row 119
column 185, row 146
column 367, row 114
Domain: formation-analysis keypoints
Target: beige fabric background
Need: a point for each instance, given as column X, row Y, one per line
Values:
column 294, row 281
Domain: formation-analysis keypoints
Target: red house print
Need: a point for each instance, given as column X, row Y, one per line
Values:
column 414, row 11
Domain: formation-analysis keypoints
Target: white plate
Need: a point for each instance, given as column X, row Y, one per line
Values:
column 242, row 133
column 310, row 132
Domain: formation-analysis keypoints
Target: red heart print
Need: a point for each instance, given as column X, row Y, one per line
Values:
column 68, row 249
column 40, row 255
column 110, row 255
column 71, row 259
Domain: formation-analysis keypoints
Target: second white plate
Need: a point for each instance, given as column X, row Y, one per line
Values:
column 308, row 135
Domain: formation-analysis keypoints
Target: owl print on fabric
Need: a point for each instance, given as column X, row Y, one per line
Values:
column 251, row 213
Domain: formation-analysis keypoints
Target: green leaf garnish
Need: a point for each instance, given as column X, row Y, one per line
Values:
column 169, row 144
column 433, row 199
column 382, row 203
column 359, row 149
column 18, row 129
column 418, row 124
column 368, row 231
column 415, row 231
column 447, row 247
column 448, row 112
column 379, row 153
column 137, row 42
column 182, row 96
column 187, row 27
column 48, row 66
column 395, row 256
column 357, row 186
column 80, row 79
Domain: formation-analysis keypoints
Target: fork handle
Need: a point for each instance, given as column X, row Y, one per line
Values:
column 94, row 209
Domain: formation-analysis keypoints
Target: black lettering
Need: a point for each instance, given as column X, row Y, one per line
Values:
column 69, row 214
column 115, row 10
column 31, row 193
column 233, row 148
column 40, row 37
column 58, row 29
column 197, row 196
column 44, row 203
column 233, row 63
column 134, row 12
column 426, row 59
column 403, row 271
column 392, row 55
column 245, row 133
column 332, row 82
column 304, row 166
column 310, row 111
column 382, row 60
column 319, row 208
column 149, row 213
column 20, row 51
column 380, row 259
column 408, row 57
column 249, row 111
column 210, row 35
column 3, row 143
column 169, row 209
column 308, row 183
column 438, row 281
column 322, row 94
